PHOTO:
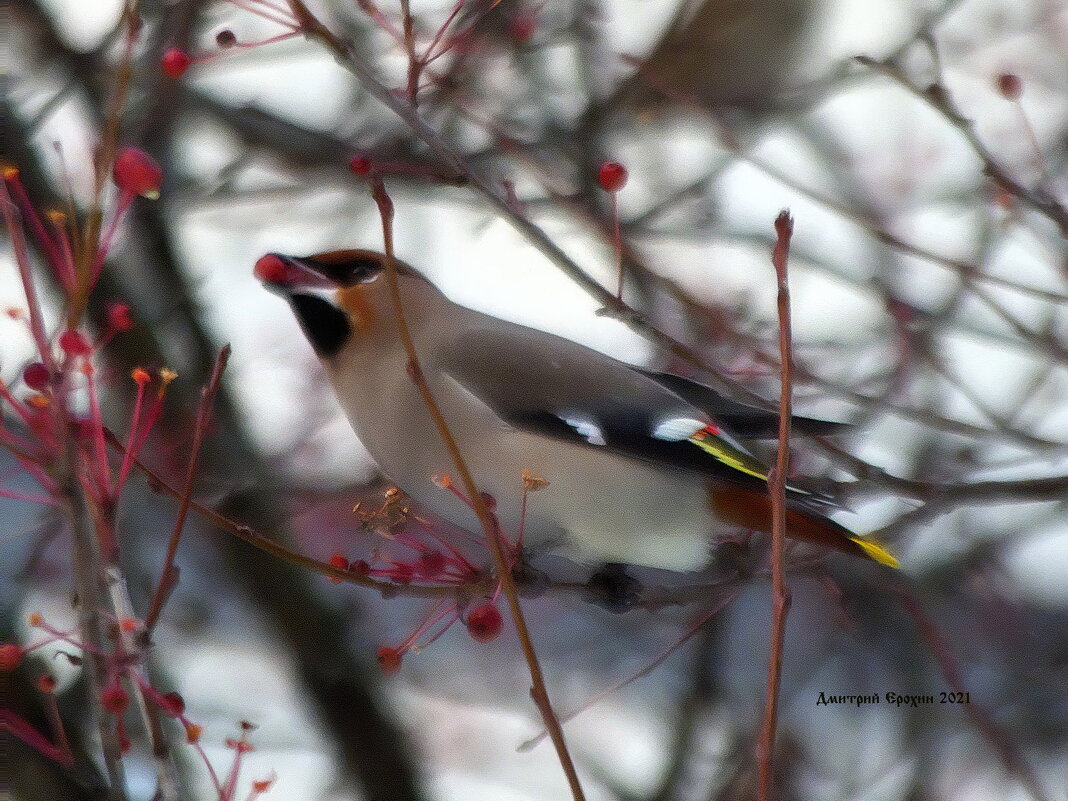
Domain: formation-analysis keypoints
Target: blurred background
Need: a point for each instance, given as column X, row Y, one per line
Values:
column 929, row 279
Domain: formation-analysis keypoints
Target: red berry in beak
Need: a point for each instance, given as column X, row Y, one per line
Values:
column 271, row 270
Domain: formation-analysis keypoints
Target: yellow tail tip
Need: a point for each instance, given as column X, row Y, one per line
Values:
column 877, row 553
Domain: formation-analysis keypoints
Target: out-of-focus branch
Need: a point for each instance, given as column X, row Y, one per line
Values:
column 376, row 751
column 1006, row 749
column 937, row 96
column 496, row 196
column 695, row 704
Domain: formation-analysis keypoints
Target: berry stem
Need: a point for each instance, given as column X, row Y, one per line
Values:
column 618, row 244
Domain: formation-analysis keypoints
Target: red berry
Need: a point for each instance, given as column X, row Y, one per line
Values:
column 271, row 270
column 46, row 683
column 175, row 62
column 119, row 317
column 115, row 699
column 360, row 165
column 1010, row 85
column 522, row 28
column 484, row 623
column 341, row 563
column 36, row 376
column 74, row 344
column 612, row 176
column 10, row 657
column 389, row 660
column 137, row 173
column 225, row 38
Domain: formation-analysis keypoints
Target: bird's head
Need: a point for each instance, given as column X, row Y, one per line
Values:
column 341, row 296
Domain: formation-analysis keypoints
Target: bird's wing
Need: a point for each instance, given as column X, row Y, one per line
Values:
column 744, row 420
column 537, row 381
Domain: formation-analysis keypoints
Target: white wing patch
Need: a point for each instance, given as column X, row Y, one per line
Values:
column 587, row 429
column 677, row 429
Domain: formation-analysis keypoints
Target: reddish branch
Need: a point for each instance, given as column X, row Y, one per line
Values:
column 937, row 96
column 169, row 576
column 784, row 227
column 270, row 546
column 86, row 251
column 538, row 690
column 654, row 598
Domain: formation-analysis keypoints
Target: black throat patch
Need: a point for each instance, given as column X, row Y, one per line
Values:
column 326, row 326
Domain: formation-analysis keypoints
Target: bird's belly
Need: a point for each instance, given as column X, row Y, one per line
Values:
column 603, row 506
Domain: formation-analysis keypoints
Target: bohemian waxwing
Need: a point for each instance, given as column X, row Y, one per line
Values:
column 645, row 468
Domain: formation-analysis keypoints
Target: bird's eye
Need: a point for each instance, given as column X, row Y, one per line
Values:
column 347, row 267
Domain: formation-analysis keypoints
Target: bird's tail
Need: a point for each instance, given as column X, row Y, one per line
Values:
column 752, row 510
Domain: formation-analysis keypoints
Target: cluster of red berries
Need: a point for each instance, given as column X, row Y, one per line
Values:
column 484, row 624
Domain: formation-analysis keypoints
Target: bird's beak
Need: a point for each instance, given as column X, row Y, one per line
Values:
column 316, row 288
column 287, row 274
column 308, row 291
column 333, row 269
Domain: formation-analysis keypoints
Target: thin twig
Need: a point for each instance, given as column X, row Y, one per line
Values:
column 414, row 64
column 498, row 198
column 87, row 250
column 270, row 546
column 655, row 597
column 784, row 227
column 646, row 669
column 12, row 217
column 937, row 96
column 1007, row 752
column 538, row 690
column 168, row 576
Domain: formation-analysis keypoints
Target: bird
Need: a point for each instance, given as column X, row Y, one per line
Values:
column 643, row 468
column 720, row 54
